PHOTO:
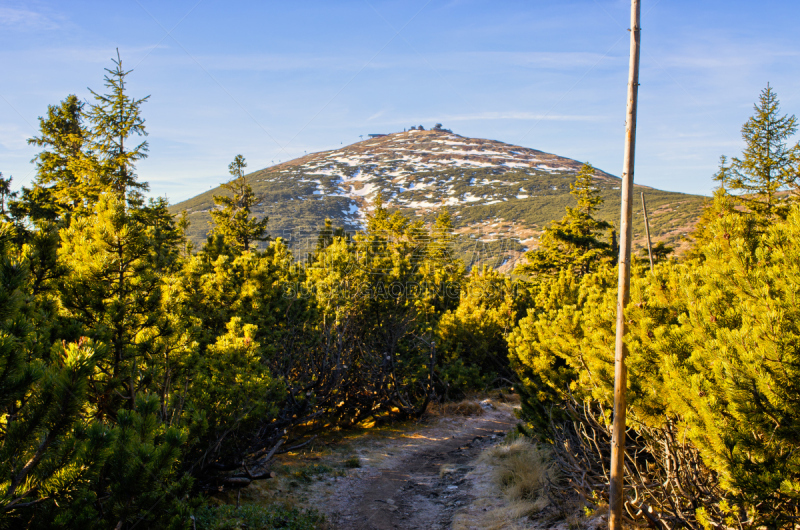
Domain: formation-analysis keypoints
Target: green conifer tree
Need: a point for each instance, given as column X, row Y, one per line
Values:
column 116, row 118
column 183, row 230
column 113, row 291
column 145, row 485
column 442, row 272
column 59, row 189
column 62, row 166
column 6, row 195
column 768, row 165
column 167, row 235
column 50, row 450
column 232, row 219
column 735, row 384
column 711, row 351
column 575, row 241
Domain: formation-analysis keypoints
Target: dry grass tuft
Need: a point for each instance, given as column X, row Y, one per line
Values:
column 508, row 397
column 522, row 470
column 497, row 519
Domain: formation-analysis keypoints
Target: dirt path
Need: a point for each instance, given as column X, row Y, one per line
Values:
column 416, row 482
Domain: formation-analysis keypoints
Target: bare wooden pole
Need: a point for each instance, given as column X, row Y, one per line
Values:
column 647, row 233
column 616, row 494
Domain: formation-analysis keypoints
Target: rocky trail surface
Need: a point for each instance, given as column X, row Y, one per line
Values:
column 415, row 482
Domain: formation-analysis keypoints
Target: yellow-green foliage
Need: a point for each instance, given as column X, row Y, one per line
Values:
column 738, row 389
column 232, row 386
column 472, row 336
column 712, row 345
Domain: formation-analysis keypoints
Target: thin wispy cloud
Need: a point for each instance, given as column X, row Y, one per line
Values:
column 21, row 19
column 99, row 55
column 729, row 55
column 463, row 61
column 377, row 115
column 170, row 55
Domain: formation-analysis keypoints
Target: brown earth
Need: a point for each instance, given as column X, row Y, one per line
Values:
column 417, row 482
column 425, row 475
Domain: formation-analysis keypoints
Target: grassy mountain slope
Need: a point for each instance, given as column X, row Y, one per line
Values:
column 501, row 195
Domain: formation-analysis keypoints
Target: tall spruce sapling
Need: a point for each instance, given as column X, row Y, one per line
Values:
column 183, row 231
column 232, row 219
column 768, row 167
column 60, row 188
column 116, row 118
column 442, row 272
column 575, row 242
column 56, row 192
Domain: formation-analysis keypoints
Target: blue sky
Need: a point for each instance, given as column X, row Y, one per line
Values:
column 272, row 80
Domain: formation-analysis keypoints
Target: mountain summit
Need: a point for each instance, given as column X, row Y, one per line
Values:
column 500, row 195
